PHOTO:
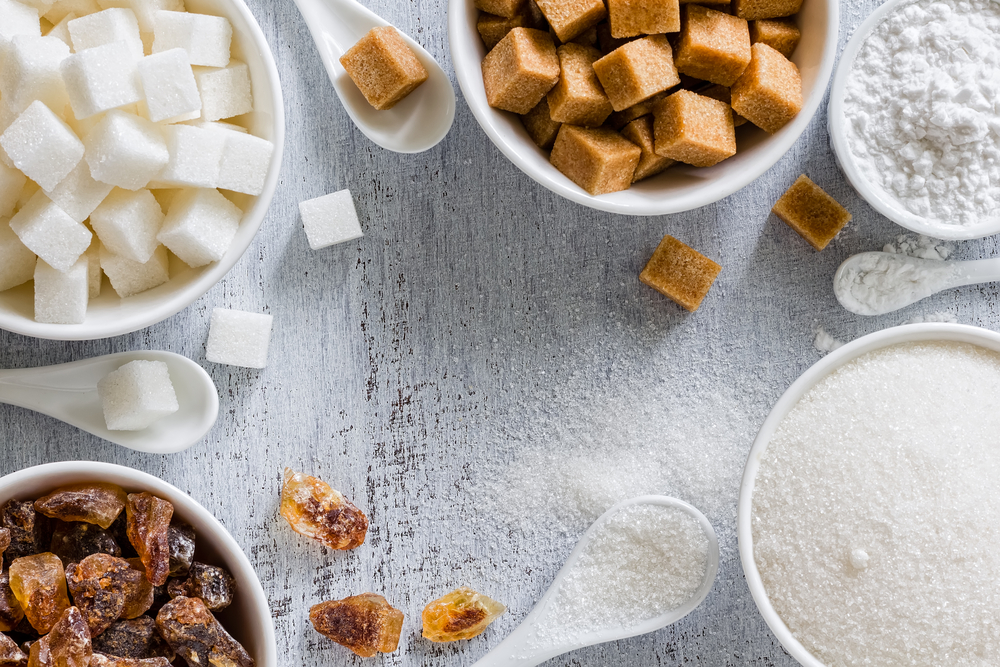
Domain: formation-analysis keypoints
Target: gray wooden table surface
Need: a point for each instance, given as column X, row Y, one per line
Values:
column 480, row 322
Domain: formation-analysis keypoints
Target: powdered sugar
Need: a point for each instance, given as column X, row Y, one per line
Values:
column 922, row 109
column 874, row 283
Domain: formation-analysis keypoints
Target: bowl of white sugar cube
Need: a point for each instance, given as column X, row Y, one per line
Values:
column 140, row 144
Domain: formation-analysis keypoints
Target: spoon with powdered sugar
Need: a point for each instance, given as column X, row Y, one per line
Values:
column 69, row 393
column 875, row 283
column 417, row 123
column 646, row 563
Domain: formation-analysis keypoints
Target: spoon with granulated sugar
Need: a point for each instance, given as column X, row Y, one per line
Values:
column 646, row 563
column 875, row 283
column 68, row 392
column 421, row 120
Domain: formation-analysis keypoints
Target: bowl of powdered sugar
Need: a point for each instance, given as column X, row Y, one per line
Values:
column 868, row 513
column 915, row 115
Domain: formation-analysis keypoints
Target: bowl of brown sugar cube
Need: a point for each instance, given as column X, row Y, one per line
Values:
column 140, row 144
column 643, row 108
column 108, row 566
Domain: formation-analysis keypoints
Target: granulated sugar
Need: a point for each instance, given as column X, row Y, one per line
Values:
column 876, row 521
column 644, row 561
column 920, row 109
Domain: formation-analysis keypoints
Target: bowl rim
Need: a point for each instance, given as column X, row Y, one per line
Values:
column 249, row 582
column 875, row 195
column 907, row 333
column 469, row 78
column 174, row 302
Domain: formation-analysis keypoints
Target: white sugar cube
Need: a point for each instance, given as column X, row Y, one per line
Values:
column 245, row 163
column 126, row 150
column 137, row 395
column 205, row 38
column 17, row 263
column 216, row 125
column 239, row 338
column 200, row 226
column 129, row 278
column 11, row 183
column 94, row 273
column 106, row 27
column 41, row 6
column 63, row 8
column 30, row 72
column 50, row 233
column 79, row 194
column 146, row 10
column 330, row 219
column 102, row 78
column 18, row 19
column 61, row 32
column 7, row 116
column 42, row 145
column 61, row 296
column 127, row 224
column 169, row 85
column 195, row 155
column 224, row 92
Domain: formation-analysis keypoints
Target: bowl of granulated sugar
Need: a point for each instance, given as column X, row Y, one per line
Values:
column 912, row 118
column 868, row 515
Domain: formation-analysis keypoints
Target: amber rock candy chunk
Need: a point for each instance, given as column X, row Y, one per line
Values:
column 383, row 67
column 148, row 531
column 680, row 273
column 76, row 540
column 194, row 634
column 39, row 583
column 461, row 614
column 135, row 638
column 67, row 645
column 4, row 540
column 21, row 521
column 11, row 654
column 811, row 212
column 212, row 585
column 314, row 509
column 100, row 660
column 367, row 624
column 181, row 538
column 99, row 503
column 10, row 609
column 140, row 595
column 100, row 585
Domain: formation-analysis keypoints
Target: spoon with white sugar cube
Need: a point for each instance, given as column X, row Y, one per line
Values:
column 646, row 563
column 417, row 123
column 174, row 401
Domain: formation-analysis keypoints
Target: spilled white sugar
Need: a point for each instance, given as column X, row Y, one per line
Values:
column 644, row 561
column 876, row 521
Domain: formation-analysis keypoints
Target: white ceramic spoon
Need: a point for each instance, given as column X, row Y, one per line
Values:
column 524, row 648
column 417, row 123
column 875, row 283
column 68, row 392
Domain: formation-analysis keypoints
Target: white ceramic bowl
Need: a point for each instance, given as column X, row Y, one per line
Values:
column 680, row 188
column 903, row 334
column 870, row 191
column 110, row 316
column 248, row 619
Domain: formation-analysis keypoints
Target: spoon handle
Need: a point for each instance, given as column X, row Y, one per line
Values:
column 977, row 271
column 30, row 390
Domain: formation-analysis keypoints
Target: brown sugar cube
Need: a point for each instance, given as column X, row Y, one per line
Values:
column 505, row 8
column 751, row 10
column 723, row 94
column 540, row 126
column 620, row 119
column 520, row 70
column 599, row 160
column 383, row 67
column 694, row 129
column 769, row 93
column 493, row 28
column 578, row 98
column 643, row 17
column 782, row 35
column 569, row 18
column 721, row 5
column 712, row 46
column 586, row 38
column 605, row 41
column 815, row 215
column 640, row 133
column 680, row 273
column 637, row 70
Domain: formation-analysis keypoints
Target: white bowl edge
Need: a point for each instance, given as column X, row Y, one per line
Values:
column 907, row 333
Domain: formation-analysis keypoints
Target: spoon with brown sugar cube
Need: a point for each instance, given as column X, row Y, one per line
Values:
column 393, row 90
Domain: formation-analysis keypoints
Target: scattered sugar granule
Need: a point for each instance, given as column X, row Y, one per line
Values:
column 875, row 517
column 239, row 338
column 939, row 316
column 920, row 110
column 643, row 562
column 824, row 342
column 136, row 395
column 330, row 219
